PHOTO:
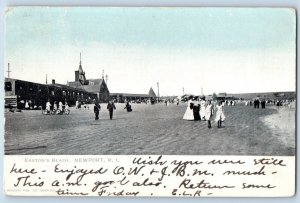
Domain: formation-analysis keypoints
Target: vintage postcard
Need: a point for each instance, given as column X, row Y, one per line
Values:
column 112, row 101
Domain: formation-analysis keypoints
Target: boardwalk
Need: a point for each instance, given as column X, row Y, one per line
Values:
column 150, row 129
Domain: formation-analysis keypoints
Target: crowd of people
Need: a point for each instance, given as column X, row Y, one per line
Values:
column 202, row 110
column 257, row 102
column 57, row 107
column 198, row 109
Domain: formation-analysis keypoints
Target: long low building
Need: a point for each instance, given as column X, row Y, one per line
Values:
column 17, row 92
column 123, row 97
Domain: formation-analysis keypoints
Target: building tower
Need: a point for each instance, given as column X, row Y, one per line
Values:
column 80, row 74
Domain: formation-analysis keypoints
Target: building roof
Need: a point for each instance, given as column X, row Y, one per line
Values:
column 66, row 87
column 96, row 81
column 151, row 92
column 90, row 88
column 130, row 95
column 93, row 86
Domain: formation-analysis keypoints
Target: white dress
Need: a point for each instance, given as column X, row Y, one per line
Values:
column 208, row 112
column 202, row 109
column 219, row 113
column 48, row 105
column 188, row 115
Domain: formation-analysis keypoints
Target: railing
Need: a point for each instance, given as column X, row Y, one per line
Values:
column 10, row 101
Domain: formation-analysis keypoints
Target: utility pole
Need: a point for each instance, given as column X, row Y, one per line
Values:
column 8, row 71
column 102, row 74
column 106, row 78
column 46, row 79
column 157, row 91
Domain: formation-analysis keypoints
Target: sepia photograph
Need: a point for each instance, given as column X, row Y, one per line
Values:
column 150, row 81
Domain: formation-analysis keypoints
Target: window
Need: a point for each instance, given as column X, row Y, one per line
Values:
column 8, row 86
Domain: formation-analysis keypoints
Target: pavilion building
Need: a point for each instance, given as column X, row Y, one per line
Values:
column 95, row 86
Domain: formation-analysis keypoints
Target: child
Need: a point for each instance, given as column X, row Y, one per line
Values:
column 220, row 117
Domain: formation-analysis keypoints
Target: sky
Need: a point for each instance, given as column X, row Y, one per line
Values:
column 233, row 50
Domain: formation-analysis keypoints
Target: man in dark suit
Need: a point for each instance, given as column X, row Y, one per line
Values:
column 256, row 103
column 97, row 108
column 111, row 106
column 263, row 103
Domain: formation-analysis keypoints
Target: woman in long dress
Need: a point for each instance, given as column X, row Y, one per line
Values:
column 26, row 105
column 189, row 114
column 208, row 113
column 48, row 106
column 54, row 106
column 220, row 116
column 202, row 108
column 60, row 106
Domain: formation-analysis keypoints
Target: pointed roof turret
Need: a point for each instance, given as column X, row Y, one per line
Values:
column 151, row 93
column 80, row 67
column 81, row 73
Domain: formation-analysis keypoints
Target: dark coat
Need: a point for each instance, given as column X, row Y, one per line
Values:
column 196, row 109
column 111, row 106
column 97, row 108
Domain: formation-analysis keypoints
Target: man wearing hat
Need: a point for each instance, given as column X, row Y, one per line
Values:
column 110, row 107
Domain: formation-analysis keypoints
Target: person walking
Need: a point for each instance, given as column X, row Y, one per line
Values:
column 111, row 106
column 48, row 106
column 196, row 109
column 60, row 106
column 202, row 108
column 97, row 108
column 189, row 114
column 256, row 102
column 77, row 104
column 263, row 103
column 220, row 117
column 54, row 106
column 26, row 105
column 67, row 111
column 208, row 113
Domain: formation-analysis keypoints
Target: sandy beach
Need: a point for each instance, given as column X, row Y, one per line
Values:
column 282, row 124
column 151, row 129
